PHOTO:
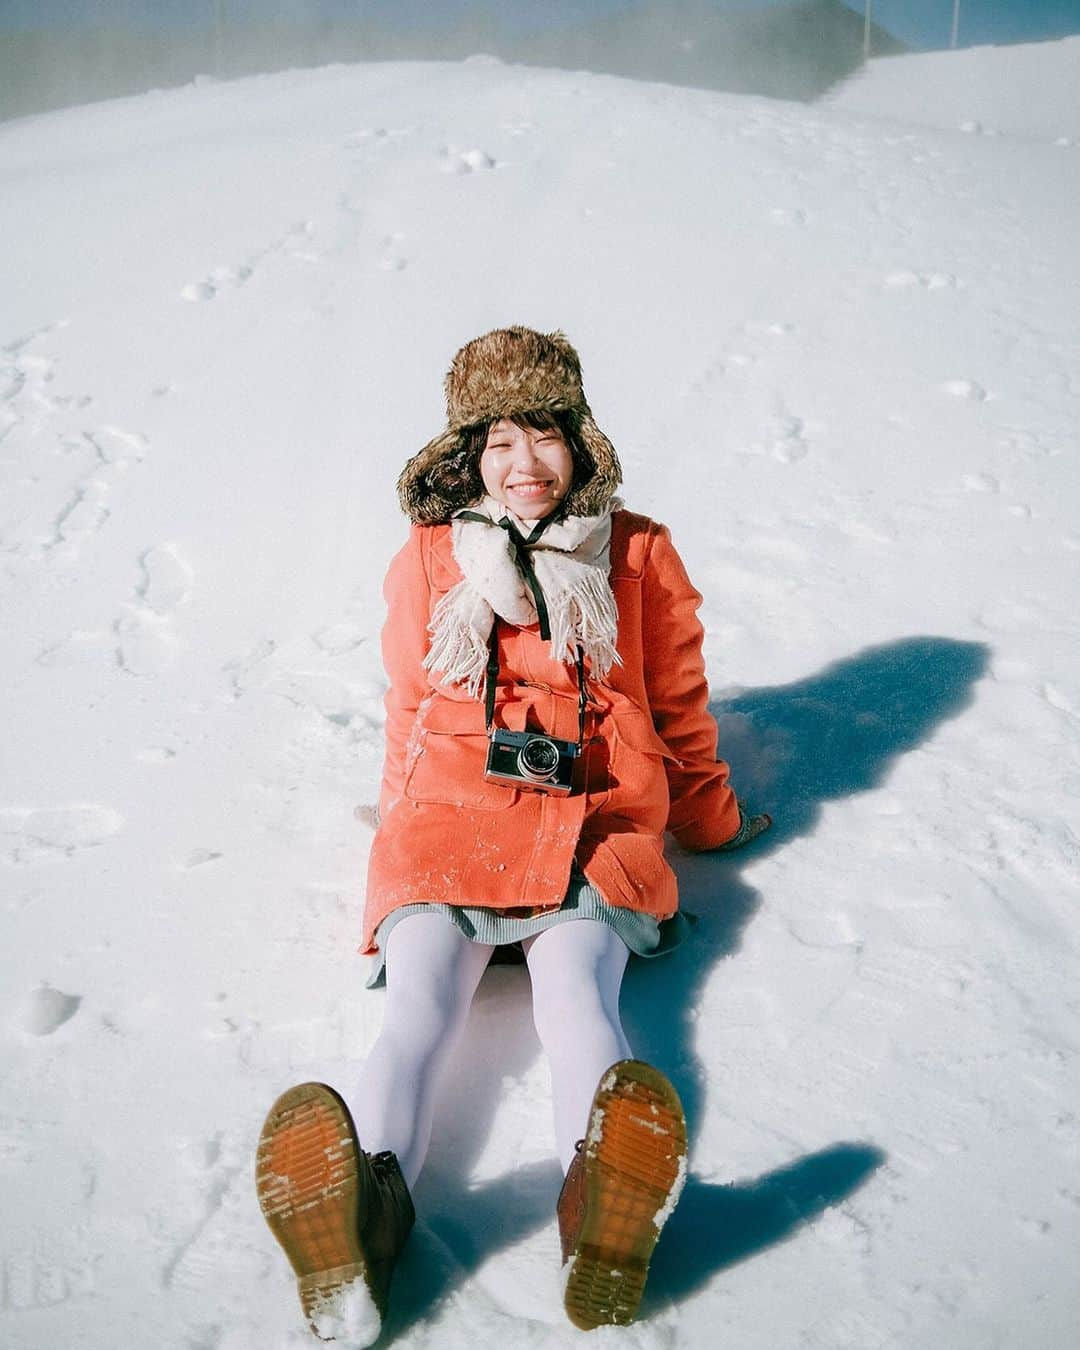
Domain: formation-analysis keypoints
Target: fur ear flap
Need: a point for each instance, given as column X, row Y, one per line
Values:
column 502, row 373
column 561, row 342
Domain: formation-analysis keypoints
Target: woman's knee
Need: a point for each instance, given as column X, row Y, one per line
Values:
column 566, row 1019
column 432, row 971
column 575, row 988
column 584, row 954
column 587, row 943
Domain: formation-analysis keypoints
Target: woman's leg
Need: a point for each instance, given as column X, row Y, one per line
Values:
column 576, row 970
column 432, row 971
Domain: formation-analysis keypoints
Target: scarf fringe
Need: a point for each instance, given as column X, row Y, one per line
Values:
column 585, row 617
column 459, row 651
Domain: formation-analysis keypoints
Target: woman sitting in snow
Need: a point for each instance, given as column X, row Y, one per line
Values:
column 546, row 724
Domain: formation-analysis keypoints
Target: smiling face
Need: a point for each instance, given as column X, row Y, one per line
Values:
column 528, row 469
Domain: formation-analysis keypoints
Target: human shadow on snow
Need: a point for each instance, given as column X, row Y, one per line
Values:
column 459, row 1226
column 716, row 1226
column 792, row 748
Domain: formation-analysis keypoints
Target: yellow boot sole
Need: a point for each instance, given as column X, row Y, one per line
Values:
column 307, row 1176
column 634, row 1158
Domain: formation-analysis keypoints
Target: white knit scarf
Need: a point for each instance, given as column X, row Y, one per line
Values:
column 571, row 560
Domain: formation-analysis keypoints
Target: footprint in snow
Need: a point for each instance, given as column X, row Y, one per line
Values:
column 82, row 515
column 204, row 1234
column 246, row 671
column 86, row 510
column 46, row 1009
column 231, row 276
column 711, row 372
column 115, row 446
column 790, row 445
column 221, row 278
column 824, row 930
column 166, row 579
column 929, row 281
column 1060, row 701
column 45, row 834
column 782, row 215
column 981, row 482
column 145, row 642
column 297, row 243
column 391, row 259
column 81, row 646
column 156, row 754
column 466, row 161
column 351, row 705
column 339, row 638
column 766, row 328
column 198, row 290
column 199, row 857
column 968, row 389
column 30, row 1279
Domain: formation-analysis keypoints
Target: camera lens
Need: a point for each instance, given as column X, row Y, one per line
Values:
column 538, row 759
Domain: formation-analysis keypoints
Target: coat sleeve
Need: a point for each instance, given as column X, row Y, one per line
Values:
column 404, row 644
column 703, row 812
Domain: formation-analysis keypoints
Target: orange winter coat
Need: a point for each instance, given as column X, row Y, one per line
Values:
column 448, row 836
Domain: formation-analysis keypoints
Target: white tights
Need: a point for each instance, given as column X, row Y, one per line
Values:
column 432, row 971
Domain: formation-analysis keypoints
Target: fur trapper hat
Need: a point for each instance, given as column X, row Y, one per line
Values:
column 502, row 374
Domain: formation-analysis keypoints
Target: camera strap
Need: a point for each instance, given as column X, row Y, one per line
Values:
column 519, row 546
column 492, row 680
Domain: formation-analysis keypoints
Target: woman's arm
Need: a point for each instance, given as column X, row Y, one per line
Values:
column 404, row 645
column 704, row 813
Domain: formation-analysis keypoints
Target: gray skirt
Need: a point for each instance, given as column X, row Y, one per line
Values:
column 643, row 934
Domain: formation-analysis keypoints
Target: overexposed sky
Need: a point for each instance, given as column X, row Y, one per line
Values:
column 920, row 23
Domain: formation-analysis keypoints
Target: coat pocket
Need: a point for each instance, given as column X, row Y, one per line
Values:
column 639, row 764
column 634, row 729
column 447, row 755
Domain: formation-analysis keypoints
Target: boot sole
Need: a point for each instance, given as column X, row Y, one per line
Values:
column 307, row 1176
column 634, row 1159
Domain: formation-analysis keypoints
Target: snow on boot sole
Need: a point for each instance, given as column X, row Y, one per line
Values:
column 634, row 1161
column 307, row 1175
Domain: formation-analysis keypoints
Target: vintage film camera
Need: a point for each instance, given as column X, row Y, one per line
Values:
column 531, row 762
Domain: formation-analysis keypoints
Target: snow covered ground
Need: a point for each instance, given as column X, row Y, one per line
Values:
column 839, row 354
column 1027, row 90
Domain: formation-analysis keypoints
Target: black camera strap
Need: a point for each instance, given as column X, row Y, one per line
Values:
column 492, row 680
column 519, row 546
